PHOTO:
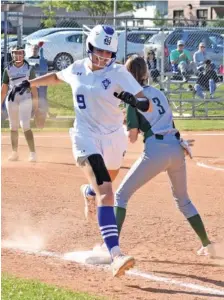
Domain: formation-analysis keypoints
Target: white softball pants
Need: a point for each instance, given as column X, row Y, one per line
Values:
column 19, row 113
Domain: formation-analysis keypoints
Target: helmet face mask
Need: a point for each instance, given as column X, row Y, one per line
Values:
column 101, row 58
column 101, row 46
column 18, row 54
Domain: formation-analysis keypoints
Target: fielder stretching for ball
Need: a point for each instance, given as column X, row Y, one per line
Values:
column 19, row 110
column 98, row 137
column 163, row 151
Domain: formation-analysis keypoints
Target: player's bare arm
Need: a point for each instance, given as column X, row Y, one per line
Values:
column 45, row 80
column 49, row 79
column 133, row 135
column 34, row 94
column 4, row 92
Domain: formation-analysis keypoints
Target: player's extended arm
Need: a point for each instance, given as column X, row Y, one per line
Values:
column 35, row 99
column 45, row 80
column 4, row 92
column 143, row 105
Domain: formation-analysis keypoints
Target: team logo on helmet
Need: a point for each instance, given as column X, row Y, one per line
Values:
column 107, row 40
column 106, row 82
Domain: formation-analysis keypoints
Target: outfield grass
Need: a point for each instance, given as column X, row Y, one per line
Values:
column 60, row 100
column 195, row 125
column 182, row 125
column 61, row 103
column 14, row 289
column 214, row 109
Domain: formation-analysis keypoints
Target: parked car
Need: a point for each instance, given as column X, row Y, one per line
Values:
column 47, row 31
column 135, row 42
column 214, row 43
column 11, row 42
column 60, row 49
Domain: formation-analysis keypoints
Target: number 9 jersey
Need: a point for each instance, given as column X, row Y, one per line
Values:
column 97, row 109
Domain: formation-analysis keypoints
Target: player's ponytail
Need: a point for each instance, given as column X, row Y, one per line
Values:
column 136, row 65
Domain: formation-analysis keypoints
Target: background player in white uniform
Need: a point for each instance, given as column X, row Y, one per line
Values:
column 19, row 111
column 98, row 135
column 162, row 152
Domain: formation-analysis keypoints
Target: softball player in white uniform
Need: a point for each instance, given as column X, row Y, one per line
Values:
column 19, row 111
column 163, row 151
column 98, row 138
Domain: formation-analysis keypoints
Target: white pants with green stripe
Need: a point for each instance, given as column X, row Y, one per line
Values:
column 158, row 156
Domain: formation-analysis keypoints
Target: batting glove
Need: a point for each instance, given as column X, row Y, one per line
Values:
column 21, row 88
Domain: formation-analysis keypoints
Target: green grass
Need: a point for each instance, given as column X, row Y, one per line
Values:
column 195, row 125
column 60, row 100
column 183, row 125
column 20, row 289
column 61, row 104
column 214, row 109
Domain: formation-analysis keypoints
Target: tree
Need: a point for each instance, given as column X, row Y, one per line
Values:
column 48, row 11
column 160, row 19
column 94, row 8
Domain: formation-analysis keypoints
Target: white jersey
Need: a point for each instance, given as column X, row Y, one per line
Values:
column 96, row 108
column 161, row 117
column 16, row 76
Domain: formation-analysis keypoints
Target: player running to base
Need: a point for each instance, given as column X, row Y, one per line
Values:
column 19, row 111
column 98, row 138
column 163, row 151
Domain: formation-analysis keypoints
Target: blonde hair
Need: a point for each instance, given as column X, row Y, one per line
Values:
column 136, row 65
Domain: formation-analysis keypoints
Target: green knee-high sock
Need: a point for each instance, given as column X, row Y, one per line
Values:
column 120, row 214
column 198, row 226
column 14, row 140
column 30, row 140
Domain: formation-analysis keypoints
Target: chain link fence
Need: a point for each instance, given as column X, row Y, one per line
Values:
column 186, row 62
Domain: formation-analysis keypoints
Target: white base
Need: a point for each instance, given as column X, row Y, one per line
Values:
column 88, row 257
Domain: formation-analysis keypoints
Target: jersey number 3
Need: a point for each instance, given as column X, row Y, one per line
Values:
column 161, row 109
column 81, row 101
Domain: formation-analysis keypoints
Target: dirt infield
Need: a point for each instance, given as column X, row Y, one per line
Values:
column 42, row 208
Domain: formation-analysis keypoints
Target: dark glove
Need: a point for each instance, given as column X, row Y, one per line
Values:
column 133, row 101
column 127, row 98
column 21, row 88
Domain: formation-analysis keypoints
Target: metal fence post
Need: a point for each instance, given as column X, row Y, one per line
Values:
column 126, row 42
column 20, row 29
column 5, row 38
column 162, row 59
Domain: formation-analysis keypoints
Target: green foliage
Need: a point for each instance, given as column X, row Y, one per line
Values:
column 160, row 20
column 219, row 22
column 49, row 21
column 94, row 8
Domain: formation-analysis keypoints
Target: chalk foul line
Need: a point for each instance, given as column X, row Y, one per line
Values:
column 81, row 257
